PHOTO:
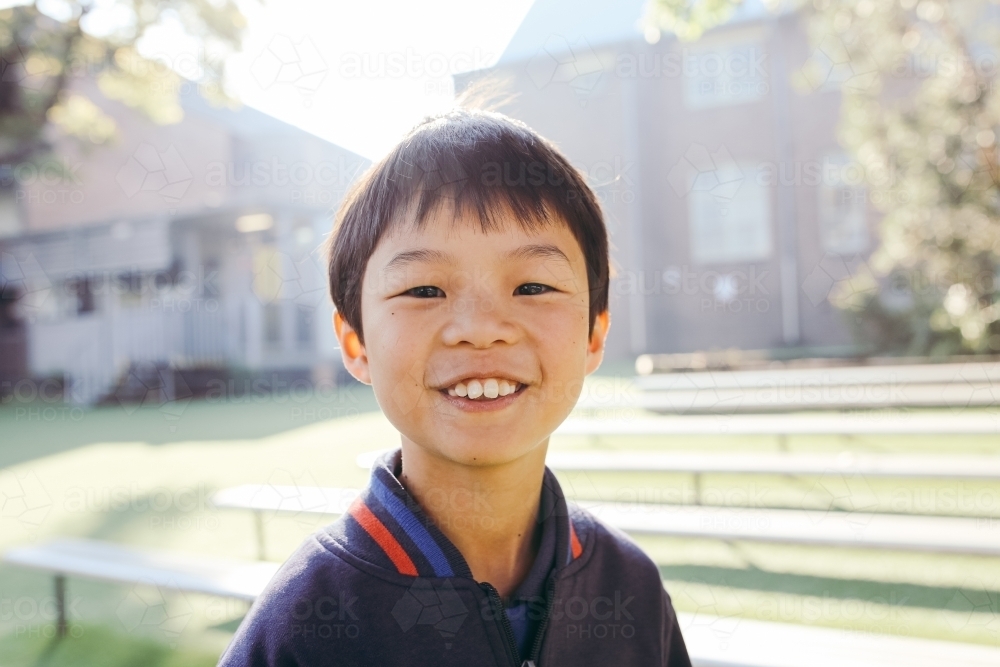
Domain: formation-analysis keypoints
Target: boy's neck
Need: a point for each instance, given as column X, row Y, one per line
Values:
column 489, row 513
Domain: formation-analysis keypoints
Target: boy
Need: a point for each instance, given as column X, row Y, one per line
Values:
column 469, row 270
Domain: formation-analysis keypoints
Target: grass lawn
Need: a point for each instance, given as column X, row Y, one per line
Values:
column 144, row 477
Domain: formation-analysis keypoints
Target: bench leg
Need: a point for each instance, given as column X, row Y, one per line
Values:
column 258, row 521
column 60, row 605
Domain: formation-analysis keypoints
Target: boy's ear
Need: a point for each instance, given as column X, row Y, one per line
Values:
column 595, row 347
column 351, row 349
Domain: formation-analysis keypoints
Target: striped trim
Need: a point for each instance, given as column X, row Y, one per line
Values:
column 574, row 542
column 378, row 532
column 408, row 521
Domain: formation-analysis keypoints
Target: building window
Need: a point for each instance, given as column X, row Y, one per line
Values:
column 725, row 70
column 730, row 216
column 842, row 203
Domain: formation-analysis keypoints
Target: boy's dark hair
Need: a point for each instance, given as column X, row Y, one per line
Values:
column 478, row 161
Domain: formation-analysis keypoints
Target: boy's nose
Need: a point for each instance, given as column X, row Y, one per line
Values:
column 480, row 321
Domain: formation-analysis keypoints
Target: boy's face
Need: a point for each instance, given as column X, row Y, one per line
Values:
column 476, row 344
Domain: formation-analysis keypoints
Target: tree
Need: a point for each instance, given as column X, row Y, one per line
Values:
column 920, row 102
column 42, row 54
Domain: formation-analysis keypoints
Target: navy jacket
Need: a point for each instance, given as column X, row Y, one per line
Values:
column 383, row 586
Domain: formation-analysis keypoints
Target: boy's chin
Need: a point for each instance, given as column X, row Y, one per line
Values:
column 484, row 454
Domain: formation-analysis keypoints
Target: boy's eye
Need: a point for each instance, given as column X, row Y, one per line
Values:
column 531, row 289
column 425, row 292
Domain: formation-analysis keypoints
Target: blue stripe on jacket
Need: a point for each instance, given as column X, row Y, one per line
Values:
column 413, row 528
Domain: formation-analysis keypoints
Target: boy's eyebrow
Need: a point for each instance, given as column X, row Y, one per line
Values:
column 530, row 251
column 419, row 255
column 539, row 250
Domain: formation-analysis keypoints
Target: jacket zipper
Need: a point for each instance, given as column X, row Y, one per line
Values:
column 550, row 601
column 497, row 605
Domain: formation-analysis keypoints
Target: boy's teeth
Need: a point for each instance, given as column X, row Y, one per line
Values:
column 487, row 388
column 475, row 389
column 491, row 388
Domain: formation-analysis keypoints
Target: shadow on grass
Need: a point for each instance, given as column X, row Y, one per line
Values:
column 37, row 429
column 878, row 592
column 94, row 646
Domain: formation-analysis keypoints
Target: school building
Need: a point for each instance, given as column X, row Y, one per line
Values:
column 732, row 208
column 178, row 251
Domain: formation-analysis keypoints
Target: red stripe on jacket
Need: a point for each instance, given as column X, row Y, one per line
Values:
column 574, row 542
column 392, row 548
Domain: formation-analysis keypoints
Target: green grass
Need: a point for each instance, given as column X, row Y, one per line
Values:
column 95, row 646
column 144, row 477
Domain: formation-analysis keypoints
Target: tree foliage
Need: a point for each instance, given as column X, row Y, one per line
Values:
column 46, row 46
column 920, row 110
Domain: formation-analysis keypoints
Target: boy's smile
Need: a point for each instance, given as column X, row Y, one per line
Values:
column 476, row 343
column 481, row 394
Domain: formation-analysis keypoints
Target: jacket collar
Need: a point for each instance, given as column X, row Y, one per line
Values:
column 386, row 527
